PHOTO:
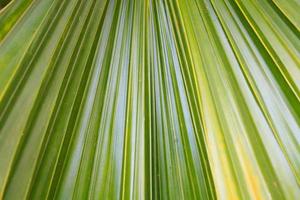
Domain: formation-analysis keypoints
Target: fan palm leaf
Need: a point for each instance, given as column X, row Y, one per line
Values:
column 152, row 99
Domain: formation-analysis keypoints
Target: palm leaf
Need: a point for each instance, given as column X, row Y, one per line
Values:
column 154, row 99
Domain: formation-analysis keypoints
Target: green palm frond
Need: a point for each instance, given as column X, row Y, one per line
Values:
column 150, row 99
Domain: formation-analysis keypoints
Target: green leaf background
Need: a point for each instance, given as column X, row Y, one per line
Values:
column 150, row 99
